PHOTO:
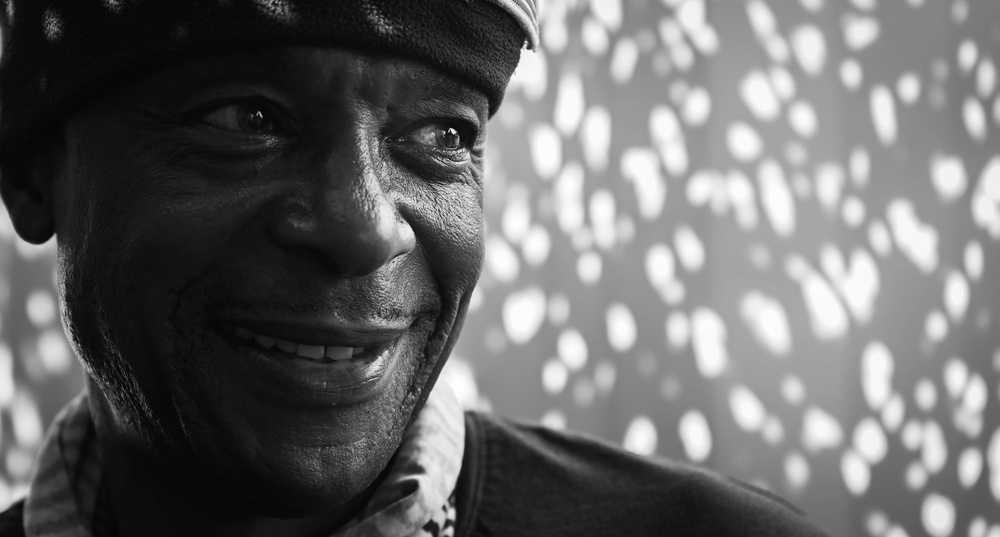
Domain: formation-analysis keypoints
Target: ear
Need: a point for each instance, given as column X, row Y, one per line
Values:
column 26, row 188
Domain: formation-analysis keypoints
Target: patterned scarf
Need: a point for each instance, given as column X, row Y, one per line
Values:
column 415, row 500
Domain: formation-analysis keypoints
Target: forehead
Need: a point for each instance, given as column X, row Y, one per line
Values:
column 381, row 80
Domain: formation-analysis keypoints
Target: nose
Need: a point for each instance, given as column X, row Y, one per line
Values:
column 344, row 216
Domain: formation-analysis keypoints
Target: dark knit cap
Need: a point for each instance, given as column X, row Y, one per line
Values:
column 59, row 53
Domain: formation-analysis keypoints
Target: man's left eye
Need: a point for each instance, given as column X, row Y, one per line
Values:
column 242, row 117
column 441, row 136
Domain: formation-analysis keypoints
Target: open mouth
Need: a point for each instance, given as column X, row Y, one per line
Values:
column 314, row 353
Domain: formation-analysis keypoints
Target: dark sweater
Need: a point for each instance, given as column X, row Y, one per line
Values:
column 525, row 480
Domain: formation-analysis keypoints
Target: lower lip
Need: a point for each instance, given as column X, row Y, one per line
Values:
column 280, row 375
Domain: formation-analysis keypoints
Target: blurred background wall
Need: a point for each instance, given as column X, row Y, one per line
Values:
column 756, row 235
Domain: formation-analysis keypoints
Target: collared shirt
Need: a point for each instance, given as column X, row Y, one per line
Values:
column 416, row 499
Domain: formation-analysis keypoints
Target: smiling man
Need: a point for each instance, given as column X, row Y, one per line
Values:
column 269, row 223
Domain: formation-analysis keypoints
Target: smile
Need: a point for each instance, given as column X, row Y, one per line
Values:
column 315, row 353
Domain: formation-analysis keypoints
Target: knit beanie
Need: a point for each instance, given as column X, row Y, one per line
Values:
column 57, row 54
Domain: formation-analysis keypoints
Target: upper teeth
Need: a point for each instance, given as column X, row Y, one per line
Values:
column 312, row 352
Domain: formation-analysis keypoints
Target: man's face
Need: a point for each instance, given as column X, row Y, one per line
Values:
column 265, row 259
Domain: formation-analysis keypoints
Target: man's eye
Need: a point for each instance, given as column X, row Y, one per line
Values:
column 242, row 117
column 440, row 136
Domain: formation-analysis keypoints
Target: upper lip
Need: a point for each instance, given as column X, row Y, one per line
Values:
column 324, row 333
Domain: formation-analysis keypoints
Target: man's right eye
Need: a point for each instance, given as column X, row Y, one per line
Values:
column 245, row 118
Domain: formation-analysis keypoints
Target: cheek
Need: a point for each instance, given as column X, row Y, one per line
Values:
column 449, row 226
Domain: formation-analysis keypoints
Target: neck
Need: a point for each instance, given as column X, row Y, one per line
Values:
column 150, row 500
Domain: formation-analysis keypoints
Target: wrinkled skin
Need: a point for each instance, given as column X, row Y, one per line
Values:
column 297, row 188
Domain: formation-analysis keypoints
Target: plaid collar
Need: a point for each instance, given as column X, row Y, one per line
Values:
column 416, row 499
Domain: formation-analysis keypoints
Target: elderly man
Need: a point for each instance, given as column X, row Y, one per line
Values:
column 269, row 223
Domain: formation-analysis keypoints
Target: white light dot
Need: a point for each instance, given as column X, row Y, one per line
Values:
column 793, row 390
column 708, row 337
column 569, row 105
column 678, row 329
column 602, row 218
column 936, row 326
column 938, row 515
column 893, row 413
column 948, row 176
column 776, row 197
column 546, row 150
column 759, row 96
column 925, row 394
column 973, row 259
column 641, row 167
column 761, row 18
column 536, row 245
column 820, row 430
column 554, row 377
column 584, row 392
column 860, row 166
column 809, row 47
column 935, row 448
column 41, row 308
column 968, row 53
column 859, row 32
column 773, row 431
column 870, row 441
column 746, row 408
column 956, row 295
column 623, row 60
column 802, row 118
column 608, row 12
column 621, row 327
column 796, row 470
column 588, row 268
column 558, row 309
column 877, row 523
column 743, row 142
column 25, row 419
column 974, row 119
column 978, row 527
column 974, row 399
column 879, row 238
column 501, row 259
column 908, row 88
column 690, row 249
column 554, row 419
column 53, row 352
column 986, row 78
column 572, row 348
column 877, row 367
column 768, row 322
column 856, row 473
column 827, row 315
column 883, row 113
column 697, row 106
column 604, row 376
column 853, row 211
column 595, row 136
column 851, row 74
column 640, row 437
column 916, row 476
column 970, row 466
column 594, row 37
column 956, row 377
column 695, row 435
column 523, row 313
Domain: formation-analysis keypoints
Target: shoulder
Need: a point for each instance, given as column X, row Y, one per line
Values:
column 12, row 520
column 521, row 476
